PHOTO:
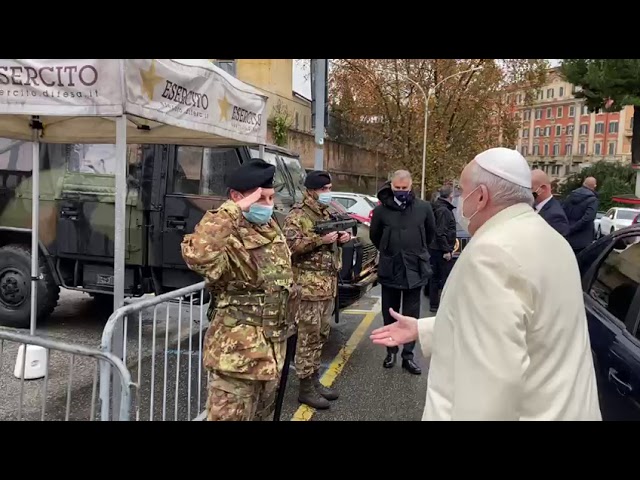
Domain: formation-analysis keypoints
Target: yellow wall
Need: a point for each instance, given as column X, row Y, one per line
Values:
column 275, row 77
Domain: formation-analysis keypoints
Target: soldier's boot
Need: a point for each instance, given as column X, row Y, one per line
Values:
column 326, row 392
column 310, row 396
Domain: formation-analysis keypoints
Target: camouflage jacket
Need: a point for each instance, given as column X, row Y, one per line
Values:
column 315, row 266
column 248, row 269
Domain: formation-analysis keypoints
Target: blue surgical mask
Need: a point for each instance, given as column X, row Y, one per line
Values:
column 258, row 214
column 325, row 198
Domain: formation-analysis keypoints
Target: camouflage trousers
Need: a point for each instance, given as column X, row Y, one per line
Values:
column 313, row 332
column 240, row 399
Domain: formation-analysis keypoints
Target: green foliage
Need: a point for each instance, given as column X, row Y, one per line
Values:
column 281, row 123
column 605, row 79
column 613, row 179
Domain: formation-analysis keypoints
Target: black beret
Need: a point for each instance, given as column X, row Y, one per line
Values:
column 255, row 173
column 317, row 179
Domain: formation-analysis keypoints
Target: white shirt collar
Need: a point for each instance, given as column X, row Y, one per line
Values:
column 543, row 203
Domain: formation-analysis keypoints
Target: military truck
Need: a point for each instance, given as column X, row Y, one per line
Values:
column 169, row 189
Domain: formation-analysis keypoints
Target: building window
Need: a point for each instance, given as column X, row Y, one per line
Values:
column 558, row 130
column 559, row 112
column 555, row 170
column 582, row 148
column 546, row 150
column 572, row 111
column 549, row 92
column 547, row 131
column 525, row 133
column 538, row 113
column 556, row 149
column 227, row 65
column 536, row 150
column 570, row 129
column 524, row 150
column 584, row 129
column 539, row 95
column 597, row 148
column 612, row 148
column 519, row 98
column 536, row 132
column 599, row 127
column 527, row 114
column 585, row 110
column 561, row 93
column 613, row 127
column 567, row 149
column 549, row 113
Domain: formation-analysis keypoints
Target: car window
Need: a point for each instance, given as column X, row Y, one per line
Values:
column 371, row 203
column 627, row 214
column 202, row 171
column 618, row 277
column 345, row 202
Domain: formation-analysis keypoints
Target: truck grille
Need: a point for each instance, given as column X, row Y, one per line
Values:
column 369, row 253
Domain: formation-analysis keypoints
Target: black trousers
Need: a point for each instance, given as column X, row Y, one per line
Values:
column 410, row 299
column 441, row 269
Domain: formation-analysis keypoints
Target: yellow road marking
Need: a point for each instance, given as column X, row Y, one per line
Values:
column 305, row 412
column 356, row 312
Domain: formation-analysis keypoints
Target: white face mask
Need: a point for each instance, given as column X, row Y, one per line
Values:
column 464, row 221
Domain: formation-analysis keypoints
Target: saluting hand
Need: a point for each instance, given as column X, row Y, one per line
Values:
column 404, row 330
column 246, row 202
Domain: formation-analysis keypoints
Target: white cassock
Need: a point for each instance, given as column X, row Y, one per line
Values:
column 510, row 340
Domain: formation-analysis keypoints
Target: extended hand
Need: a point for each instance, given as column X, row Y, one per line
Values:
column 344, row 237
column 404, row 330
column 330, row 238
column 246, row 202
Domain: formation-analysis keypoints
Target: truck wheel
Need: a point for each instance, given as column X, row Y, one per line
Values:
column 15, row 287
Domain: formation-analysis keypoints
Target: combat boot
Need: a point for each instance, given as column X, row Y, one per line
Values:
column 326, row 392
column 310, row 396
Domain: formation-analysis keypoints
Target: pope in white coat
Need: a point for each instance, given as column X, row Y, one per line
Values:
column 510, row 339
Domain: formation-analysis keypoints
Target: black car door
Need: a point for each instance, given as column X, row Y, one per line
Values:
column 612, row 300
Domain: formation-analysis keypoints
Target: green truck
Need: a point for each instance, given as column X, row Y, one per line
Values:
column 169, row 189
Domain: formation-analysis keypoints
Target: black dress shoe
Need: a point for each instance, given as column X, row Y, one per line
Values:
column 411, row 367
column 433, row 309
column 389, row 360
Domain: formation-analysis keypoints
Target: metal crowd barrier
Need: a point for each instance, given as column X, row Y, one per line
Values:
column 160, row 340
column 68, row 388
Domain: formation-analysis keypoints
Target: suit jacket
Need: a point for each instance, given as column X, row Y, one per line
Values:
column 510, row 340
column 553, row 213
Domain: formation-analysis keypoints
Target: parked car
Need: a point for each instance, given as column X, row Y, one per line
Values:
column 610, row 270
column 596, row 222
column 357, row 203
column 615, row 219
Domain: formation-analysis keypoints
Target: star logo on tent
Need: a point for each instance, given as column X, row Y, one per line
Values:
column 224, row 105
column 150, row 80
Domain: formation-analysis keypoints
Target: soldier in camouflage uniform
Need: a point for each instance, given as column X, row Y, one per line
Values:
column 316, row 262
column 243, row 255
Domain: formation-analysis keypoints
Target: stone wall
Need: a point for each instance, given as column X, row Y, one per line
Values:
column 353, row 169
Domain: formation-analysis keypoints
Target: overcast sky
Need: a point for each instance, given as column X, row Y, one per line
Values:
column 302, row 85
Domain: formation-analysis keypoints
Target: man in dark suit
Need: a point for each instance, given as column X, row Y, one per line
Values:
column 581, row 207
column 548, row 207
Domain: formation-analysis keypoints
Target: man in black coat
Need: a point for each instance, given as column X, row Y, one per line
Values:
column 548, row 207
column 402, row 227
column 442, row 246
column 581, row 207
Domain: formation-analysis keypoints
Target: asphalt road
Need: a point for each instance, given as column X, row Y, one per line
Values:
column 368, row 392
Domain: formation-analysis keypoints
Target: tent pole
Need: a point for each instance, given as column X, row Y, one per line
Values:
column 35, row 224
column 117, row 345
column 120, row 213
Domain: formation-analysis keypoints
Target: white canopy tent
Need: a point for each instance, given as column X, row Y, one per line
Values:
column 188, row 102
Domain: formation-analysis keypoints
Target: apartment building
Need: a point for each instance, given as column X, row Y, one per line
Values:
column 558, row 135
